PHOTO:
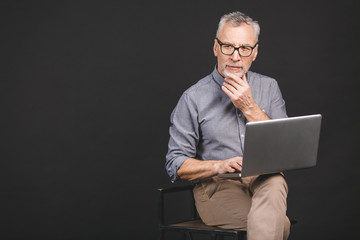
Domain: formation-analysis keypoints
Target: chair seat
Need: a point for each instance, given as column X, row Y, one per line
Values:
column 198, row 226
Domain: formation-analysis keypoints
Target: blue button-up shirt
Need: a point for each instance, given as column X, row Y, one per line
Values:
column 206, row 125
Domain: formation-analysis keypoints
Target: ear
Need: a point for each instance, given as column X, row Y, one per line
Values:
column 255, row 52
column 214, row 48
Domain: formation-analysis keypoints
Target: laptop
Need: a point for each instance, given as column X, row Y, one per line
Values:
column 279, row 145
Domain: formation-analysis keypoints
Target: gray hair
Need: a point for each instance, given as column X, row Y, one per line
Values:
column 236, row 18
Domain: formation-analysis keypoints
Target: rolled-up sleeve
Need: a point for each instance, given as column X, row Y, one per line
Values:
column 278, row 109
column 184, row 135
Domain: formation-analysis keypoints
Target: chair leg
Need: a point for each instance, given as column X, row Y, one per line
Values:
column 161, row 237
column 241, row 236
column 188, row 235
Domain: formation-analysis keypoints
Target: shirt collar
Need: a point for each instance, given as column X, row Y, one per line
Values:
column 217, row 77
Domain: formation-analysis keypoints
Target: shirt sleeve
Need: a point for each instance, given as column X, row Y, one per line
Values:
column 184, row 135
column 278, row 109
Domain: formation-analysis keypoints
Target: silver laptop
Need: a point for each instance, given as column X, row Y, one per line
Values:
column 280, row 145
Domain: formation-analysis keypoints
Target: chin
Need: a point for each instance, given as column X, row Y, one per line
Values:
column 240, row 74
column 237, row 73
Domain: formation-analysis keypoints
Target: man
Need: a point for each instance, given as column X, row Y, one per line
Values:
column 207, row 137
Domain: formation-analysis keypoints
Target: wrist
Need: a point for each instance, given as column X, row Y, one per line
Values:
column 254, row 113
column 216, row 167
column 251, row 110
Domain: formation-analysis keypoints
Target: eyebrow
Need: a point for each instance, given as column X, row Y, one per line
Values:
column 242, row 45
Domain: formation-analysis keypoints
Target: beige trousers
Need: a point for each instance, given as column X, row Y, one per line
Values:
column 255, row 204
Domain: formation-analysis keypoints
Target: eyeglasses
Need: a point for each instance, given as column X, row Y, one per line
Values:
column 228, row 49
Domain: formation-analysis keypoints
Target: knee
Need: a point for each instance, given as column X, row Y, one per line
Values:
column 272, row 185
column 286, row 228
column 278, row 182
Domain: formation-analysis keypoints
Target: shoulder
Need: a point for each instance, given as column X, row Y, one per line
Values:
column 260, row 81
column 260, row 77
column 203, row 84
column 202, row 88
column 191, row 97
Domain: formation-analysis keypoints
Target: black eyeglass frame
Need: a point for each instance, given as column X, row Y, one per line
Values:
column 235, row 48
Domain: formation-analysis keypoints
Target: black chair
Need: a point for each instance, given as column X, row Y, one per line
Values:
column 193, row 225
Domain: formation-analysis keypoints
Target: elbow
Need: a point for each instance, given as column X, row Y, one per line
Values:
column 183, row 176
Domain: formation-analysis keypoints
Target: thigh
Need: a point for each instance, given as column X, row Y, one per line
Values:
column 223, row 203
column 269, row 182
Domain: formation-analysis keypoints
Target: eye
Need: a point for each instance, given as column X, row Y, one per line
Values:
column 245, row 49
column 227, row 46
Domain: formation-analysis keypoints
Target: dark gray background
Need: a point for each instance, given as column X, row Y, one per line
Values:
column 87, row 89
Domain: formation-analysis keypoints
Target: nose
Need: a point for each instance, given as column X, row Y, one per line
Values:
column 236, row 55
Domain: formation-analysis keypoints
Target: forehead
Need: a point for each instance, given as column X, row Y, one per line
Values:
column 237, row 35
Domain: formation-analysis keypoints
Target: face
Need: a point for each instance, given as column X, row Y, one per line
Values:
column 243, row 35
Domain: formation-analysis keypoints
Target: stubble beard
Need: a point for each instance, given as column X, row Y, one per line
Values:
column 239, row 74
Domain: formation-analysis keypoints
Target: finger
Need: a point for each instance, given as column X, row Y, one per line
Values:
column 231, row 87
column 237, row 169
column 244, row 80
column 232, row 82
column 241, row 82
column 239, row 160
column 242, row 87
column 235, row 78
column 227, row 92
column 236, row 166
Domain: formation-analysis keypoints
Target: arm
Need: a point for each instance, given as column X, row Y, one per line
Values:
column 193, row 169
column 184, row 135
column 239, row 92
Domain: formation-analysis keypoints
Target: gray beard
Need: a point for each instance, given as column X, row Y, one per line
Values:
column 241, row 74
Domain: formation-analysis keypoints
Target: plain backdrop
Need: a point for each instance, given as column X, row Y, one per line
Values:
column 87, row 89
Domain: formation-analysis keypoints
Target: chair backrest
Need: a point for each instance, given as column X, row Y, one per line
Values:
column 166, row 191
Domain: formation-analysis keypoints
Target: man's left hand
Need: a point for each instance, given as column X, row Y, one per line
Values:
column 240, row 95
column 239, row 92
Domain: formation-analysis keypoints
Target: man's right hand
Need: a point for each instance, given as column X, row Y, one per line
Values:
column 229, row 165
column 193, row 169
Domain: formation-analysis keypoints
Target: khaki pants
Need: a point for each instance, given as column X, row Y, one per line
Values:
column 255, row 204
